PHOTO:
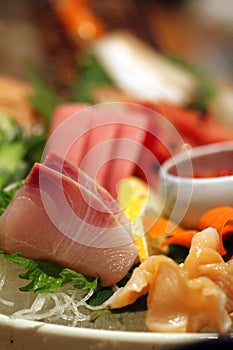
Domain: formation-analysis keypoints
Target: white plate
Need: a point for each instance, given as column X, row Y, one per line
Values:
column 19, row 334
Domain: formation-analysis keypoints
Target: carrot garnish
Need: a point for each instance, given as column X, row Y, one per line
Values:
column 160, row 227
column 183, row 238
column 79, row 21
column 220, row 218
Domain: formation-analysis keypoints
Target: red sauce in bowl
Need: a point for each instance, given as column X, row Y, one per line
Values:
column 218, row 173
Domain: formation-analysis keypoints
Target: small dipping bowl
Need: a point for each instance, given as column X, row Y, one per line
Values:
column 195, row 180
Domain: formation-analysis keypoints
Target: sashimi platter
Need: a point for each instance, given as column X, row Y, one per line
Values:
column 89, row 257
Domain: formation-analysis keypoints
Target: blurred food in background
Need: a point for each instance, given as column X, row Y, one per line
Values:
column 172, row 56
column 199, row 31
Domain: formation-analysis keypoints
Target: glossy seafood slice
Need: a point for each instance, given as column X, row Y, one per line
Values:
column 176, row 302
column 67, row 168
column 54, row 218
column 204, row 260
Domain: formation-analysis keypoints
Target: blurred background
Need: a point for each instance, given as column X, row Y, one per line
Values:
column 201, row 31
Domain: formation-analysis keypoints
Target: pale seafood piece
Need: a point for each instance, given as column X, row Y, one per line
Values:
column 54, row 218
column 204, row 251
column 67, row 168
column 204, row 260
column 176, row 302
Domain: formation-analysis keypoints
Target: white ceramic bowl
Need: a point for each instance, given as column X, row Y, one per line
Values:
column 19, row 334
column 186, row 197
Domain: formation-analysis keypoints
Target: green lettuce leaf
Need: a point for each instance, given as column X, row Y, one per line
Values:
column 45, row 99
column 18, row 151
column 7, row 195
column 47, row 277
column 100, row 296
column 90, row 74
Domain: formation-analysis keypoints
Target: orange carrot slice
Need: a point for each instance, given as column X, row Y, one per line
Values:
column 220, row 218
column 184, row 238
column 78, row 19
column 160, row 227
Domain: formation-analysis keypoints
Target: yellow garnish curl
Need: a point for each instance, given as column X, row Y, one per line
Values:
column 135, row 198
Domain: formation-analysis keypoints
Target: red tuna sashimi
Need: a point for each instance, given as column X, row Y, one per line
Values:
column 103, row 140
column 199, row 129
column 54, row 218
column 61, row 114
column 64, row 111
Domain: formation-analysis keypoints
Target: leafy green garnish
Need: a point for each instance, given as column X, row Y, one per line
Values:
column 18, row 151
column 9, row 131
column 44, row 99
column 100, row 295
column 83, row 282
column 47, row 277
column 90, row 74
column 7, row 195
column 206, row 90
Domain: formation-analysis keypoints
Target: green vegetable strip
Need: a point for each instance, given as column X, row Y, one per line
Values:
column 47, row 277
column 7, row 195
column 206, row 90
column 44, row 100
column 18, row 151
column 90, row 74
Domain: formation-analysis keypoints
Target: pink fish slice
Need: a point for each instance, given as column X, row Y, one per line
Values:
column 67, row 168
column 52, row 217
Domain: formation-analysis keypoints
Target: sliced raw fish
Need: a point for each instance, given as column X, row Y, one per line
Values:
column 64, row 111
column 166, row 128
column 105, row 141
column 52, row 217
column 77, row 149
column 67, row 168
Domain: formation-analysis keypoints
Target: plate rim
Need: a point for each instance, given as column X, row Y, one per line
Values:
column 102, row 334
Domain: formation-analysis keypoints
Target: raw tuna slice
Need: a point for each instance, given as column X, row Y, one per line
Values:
column 56, row 144
column 52, row 217
column 103, row 140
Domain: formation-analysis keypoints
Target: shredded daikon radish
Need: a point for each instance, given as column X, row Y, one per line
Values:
column 6, row 302
column 50, row 306
column 2, row 283
column 62, row 306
